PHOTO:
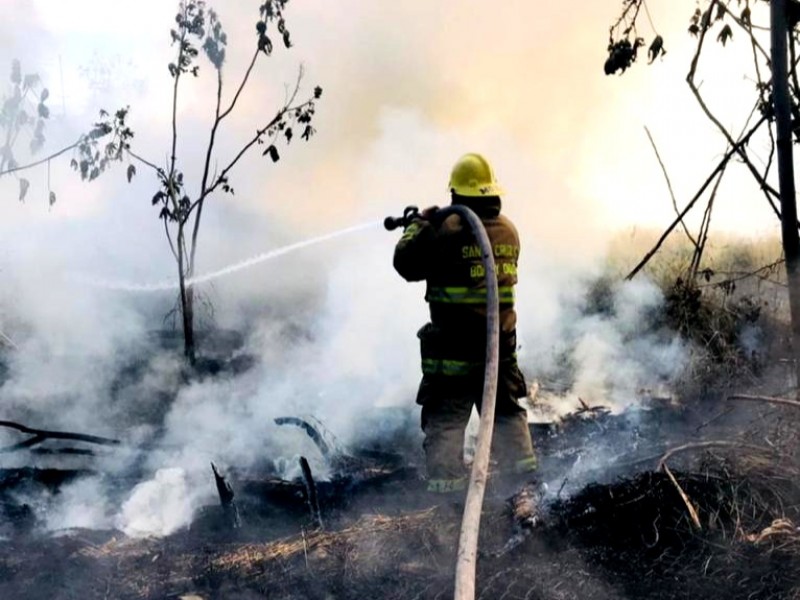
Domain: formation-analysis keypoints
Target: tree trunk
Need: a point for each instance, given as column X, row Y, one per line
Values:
column 187, row 303
column 783, row 124
column 188, row 325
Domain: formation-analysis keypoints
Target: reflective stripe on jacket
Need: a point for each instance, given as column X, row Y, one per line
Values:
column 446, row 255
column 465, row 295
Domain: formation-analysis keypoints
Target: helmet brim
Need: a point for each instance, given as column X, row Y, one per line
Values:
column 491, row 189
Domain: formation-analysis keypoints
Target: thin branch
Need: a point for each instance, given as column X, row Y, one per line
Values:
column 705, row 225
column 228, row 110
column 749, row 119
column 41, row 161
column 765, row 187
column 169, row 239
column 795, row 84
column 170, row 178
column 160, row 172
column 221, row 177
column 182, row 242
column 720, row 166
column 649, row 18
column 147, row 163
column 771, row 156
column 206, row 168
column 243, row 151
column 742, row 275
column 636, row 5
column 755, row 47
column 669, row 187
column 749, row 30
column 179, row 62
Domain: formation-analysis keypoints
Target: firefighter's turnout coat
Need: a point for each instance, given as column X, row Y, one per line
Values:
column 445, row 254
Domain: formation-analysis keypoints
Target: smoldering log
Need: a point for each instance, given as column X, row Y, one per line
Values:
column 312, row 497
column 526, row 507
column 341, row 460
column 526, row 513
column 310, row 430
column 226, row 498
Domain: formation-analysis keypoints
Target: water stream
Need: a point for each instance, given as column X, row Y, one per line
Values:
column 172, row 284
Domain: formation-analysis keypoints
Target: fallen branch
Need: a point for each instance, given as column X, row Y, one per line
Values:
column 710, row 444
column 769, row 399
column 662, row 464
column 40, row 435
column 689, row 506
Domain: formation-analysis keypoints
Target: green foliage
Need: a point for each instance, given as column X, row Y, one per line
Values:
column 725, row 35
column 624, row 41
column 272, row 13
column 198, row 26
column 656, row 49
column 190, row 24
column 195, row 22
column 24, row 184
column 93, row 158
column 215, row 43
column 22, row 115
column 24, row 111
column 622, row 54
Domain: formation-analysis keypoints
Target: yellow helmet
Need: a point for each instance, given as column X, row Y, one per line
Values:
column 473, row 176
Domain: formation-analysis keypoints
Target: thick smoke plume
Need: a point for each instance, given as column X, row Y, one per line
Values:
column 331, row 325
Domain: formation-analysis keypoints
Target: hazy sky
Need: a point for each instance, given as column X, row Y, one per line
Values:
column 409, row 86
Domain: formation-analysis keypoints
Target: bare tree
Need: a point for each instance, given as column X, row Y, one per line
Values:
column 775, row 109
column 198, row 28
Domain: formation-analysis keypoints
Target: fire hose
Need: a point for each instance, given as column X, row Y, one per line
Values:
column 471, row 520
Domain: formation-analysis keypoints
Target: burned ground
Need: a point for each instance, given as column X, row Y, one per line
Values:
column 627, row 540
column 620, row 532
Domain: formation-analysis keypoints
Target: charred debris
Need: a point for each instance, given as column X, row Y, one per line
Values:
column 664, row 499
column 591, row 445
column 626, row 504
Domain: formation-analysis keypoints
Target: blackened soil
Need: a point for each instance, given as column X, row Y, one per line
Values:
column 630, row 539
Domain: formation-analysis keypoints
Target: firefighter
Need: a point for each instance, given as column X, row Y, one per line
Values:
column 445, row 254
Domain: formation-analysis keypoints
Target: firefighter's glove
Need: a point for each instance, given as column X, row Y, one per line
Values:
column 434, row 215
column 429, row 213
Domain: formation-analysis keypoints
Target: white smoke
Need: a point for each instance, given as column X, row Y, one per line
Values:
column 80, row 505
column 160, row 506
column 610, row 358
column 332, row 326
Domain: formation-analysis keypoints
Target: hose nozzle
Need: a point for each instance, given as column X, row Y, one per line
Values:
column 392, row 223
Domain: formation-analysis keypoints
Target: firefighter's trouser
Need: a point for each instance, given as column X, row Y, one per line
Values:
column 447, row 402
